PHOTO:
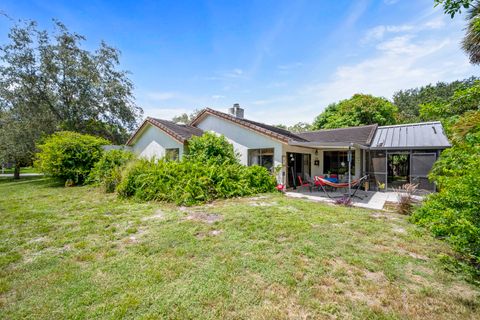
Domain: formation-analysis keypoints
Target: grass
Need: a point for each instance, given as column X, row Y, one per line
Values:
column 78, row 253
column 22, row 170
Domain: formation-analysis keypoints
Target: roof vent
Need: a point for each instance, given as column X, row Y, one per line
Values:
column 236, row 111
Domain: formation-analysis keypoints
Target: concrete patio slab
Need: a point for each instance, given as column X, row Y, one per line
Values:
column 369, row 199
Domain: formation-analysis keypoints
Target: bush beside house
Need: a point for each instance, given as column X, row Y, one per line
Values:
column 210, row 171
column 107, row 172
column 69, row 155
column 454, row 212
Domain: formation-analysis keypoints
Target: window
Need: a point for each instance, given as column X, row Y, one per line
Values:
column 261, row 157
column 337, row 162
column 172, row 154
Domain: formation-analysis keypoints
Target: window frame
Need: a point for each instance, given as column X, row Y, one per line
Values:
column 176, row 156
column 262, row 152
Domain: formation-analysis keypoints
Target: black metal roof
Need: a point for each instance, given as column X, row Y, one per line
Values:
column 425, row 135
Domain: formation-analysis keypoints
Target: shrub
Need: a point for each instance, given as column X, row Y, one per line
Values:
column 406, row 201
column 454, row 212
column 211, row 148
column 191, row 182
column 69, row 155
column 344, row 200
column 107, row 171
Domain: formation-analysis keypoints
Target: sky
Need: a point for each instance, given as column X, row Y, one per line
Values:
column 283, row 61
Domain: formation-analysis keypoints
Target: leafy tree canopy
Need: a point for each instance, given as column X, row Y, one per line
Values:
column 462, row 101
column 297, row 127
column 409, row 101
column 452, row 7
column 471, row 40
column 186, row 118
column 360, row 109
column 48, row 82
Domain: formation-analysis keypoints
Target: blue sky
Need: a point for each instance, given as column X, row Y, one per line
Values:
column 283, row 61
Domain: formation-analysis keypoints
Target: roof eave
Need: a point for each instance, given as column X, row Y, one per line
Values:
column 151, row 121
column 252, row 127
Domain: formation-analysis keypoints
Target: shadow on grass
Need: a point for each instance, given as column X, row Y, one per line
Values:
column 33, row 180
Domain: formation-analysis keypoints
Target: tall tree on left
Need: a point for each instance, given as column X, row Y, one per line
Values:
column 49, row 83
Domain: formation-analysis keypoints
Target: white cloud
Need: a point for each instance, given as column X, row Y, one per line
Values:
column 401, row 62
column 378, row 32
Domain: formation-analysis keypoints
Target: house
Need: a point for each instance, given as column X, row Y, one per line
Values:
column 391, row 155
column 162, row 138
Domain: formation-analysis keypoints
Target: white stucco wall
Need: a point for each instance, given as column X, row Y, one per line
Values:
column 242, row 138
column 153, row 142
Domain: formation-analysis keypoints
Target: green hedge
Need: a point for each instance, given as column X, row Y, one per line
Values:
column 69, row 155
column 454, row 212
column 212, row 149
column 190, row 182
column 107, row 171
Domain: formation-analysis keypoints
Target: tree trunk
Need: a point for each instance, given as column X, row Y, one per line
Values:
column 16, row 172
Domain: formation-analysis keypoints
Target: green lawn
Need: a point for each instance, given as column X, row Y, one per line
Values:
column 22, row 170
column 78, row 253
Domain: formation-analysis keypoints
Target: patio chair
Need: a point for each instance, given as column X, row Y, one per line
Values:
column 355, row 184
column 307, row 183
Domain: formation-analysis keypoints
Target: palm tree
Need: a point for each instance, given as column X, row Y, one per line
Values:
column 471, row 41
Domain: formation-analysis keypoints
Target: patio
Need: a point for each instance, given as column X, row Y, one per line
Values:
column 370, row 199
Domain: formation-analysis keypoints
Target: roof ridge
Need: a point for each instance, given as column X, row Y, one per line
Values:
column 283, row 135
column 411, row 124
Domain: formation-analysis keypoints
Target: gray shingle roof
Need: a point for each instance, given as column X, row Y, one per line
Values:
column 361, row 135
column 426, row 135
column 180, row 132
column 272, row 131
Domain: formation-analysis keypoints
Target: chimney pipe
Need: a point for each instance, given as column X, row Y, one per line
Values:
column 236, row 111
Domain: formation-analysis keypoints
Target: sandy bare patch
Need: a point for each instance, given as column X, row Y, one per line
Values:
column 209, row 218
column 203, row 235
column 383, row 215
column 215, row 232
column 377, row 277
column 159, row 215
column 398, row 229
column 258, row 198
column 263, row 204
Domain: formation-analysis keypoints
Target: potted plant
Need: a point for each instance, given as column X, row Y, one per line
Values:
column 381, row 186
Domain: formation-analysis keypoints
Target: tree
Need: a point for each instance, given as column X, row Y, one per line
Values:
column 186, row 118
column 409, row 101
column 297, row 127
column 360, row 109
column 49, row 83
column 453, row 212
column 453, row 7
column 17, row 142
column 463, row 100
column 471, row 40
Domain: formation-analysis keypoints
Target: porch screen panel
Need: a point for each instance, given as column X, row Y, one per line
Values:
column 377, row 167
column 421, row 164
